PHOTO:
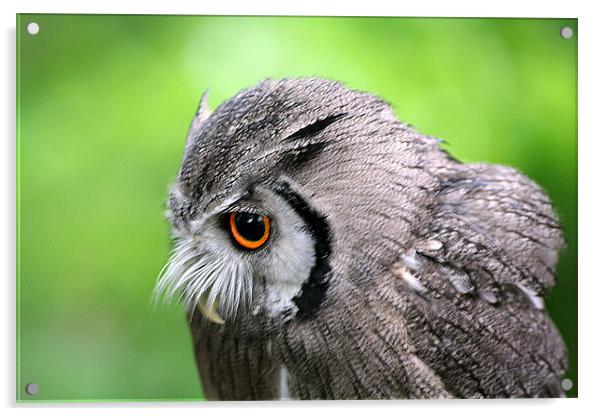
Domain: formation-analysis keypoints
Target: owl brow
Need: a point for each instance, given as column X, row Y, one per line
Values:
column 313, row 290
column 314, row 128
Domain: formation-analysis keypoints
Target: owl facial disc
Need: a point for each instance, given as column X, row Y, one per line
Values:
column 262, row 251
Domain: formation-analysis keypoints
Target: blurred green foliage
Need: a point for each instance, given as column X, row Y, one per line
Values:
column 104, row 103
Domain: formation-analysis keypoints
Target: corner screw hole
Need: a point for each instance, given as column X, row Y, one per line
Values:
column 32, row 389
column 33, row 28
column 566, row 32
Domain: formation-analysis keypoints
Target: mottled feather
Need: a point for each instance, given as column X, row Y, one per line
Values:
column 430, row 273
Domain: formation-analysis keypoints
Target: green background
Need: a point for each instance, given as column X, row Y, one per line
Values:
column 104, row 103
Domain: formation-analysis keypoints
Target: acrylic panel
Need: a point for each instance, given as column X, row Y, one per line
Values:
column 104, row 104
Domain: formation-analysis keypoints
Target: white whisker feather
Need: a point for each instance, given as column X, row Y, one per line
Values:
column 194, row 275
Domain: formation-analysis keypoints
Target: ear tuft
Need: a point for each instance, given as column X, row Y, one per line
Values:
column 203, row 112
column 201, row 115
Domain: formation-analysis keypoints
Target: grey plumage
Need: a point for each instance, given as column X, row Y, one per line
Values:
column 391, row 271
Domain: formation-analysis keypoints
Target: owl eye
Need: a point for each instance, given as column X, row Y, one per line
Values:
column 250, row 231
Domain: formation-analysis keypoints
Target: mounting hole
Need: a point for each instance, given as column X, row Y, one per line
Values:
column 566, row 32
column 566, row 384
column 33, row 28
column 32, row 389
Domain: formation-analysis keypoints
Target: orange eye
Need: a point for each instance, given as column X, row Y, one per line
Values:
column 250, row 231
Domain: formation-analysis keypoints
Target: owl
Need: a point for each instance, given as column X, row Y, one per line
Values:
column 322, row 249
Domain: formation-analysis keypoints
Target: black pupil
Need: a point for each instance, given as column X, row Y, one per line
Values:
column 250, row 226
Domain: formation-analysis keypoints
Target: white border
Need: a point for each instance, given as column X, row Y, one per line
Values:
column 590, row 136
column 466, row 8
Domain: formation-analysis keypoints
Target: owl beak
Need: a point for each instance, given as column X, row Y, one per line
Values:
column 210, row 311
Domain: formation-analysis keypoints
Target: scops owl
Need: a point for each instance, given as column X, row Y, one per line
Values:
column 325, row 250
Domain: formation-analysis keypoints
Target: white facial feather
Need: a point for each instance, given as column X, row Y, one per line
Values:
column 290, row 259
column 206, row 267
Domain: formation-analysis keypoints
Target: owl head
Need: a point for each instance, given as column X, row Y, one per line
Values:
column 289, row 194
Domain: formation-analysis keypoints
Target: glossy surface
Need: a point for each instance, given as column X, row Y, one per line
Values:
column 104, row 103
